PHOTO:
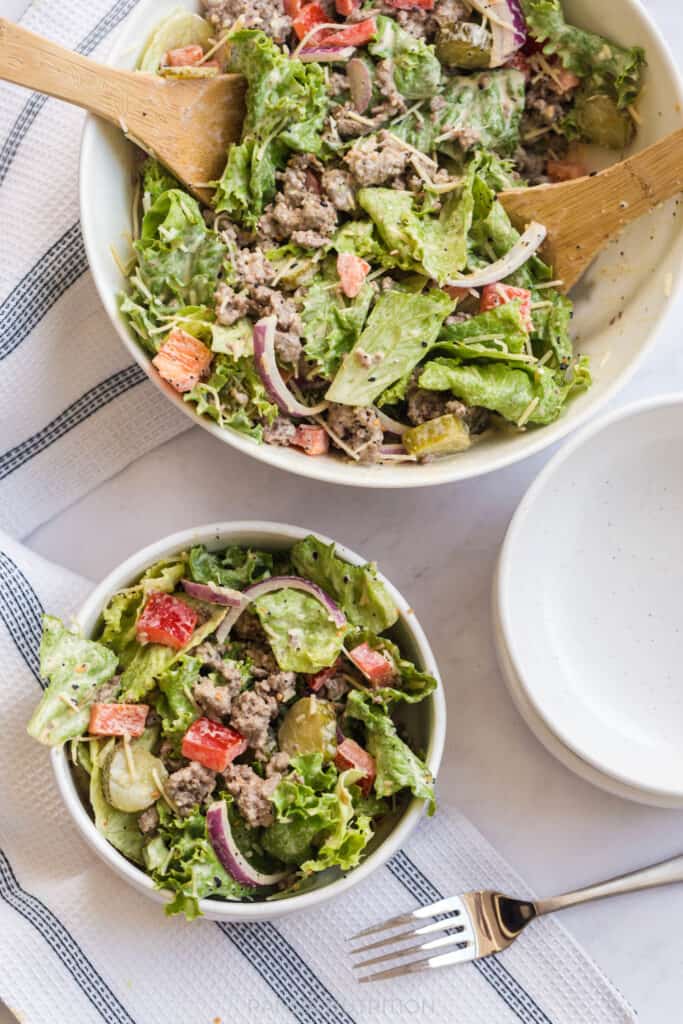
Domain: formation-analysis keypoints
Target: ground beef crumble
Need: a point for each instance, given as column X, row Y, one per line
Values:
column 190, row 786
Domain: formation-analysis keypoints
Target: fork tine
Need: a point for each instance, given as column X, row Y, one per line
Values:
column 458, row 956
column 445, row 940
column 450, row 904
column 435, row 926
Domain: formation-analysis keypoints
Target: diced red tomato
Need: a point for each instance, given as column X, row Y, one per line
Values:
column 212, row 744
column 351, row 35
column 373, row 664
column 562, row 80
column 565, row 170
column 351, row 755
column 352, row 272
column 346, row 7
column 455, row 292
column 493, row 295
column 182, row 360
column 407, row 5
column 292, row 7
column 316, row 682
column 165, row 620
column 313, row 440
column 520, row 63
column 117, row 719
column 184, row 56
column 308, row 17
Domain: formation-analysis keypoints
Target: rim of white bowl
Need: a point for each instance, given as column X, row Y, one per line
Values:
column 504, row 636
column 215, row 910
column 330, row 469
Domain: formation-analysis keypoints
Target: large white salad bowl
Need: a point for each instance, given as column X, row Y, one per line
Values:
column 425, row 722
column 619, row 305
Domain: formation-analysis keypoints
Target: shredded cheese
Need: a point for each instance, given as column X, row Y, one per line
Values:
column 528, row 412
column 69, row 703
column 549, row 284
column 129, row 757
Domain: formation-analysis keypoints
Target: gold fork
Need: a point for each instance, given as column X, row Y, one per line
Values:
column 478, row 924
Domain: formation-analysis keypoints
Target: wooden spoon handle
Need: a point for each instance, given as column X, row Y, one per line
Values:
column 30, row 60
column 624, row 192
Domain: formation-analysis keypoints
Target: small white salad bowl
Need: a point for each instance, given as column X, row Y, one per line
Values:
column 618, row 305
column 587, row 603
column 425, row 722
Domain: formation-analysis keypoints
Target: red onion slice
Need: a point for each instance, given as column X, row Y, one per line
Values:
column 256, row 590
column 326, row 54
column 226, row 849
column 508, row 27
column 360, row 84
column 264, row 357
column 212, row 593
column 389, row 425
column 521, row 251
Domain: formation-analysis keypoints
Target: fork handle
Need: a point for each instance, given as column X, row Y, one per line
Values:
column 664, row 873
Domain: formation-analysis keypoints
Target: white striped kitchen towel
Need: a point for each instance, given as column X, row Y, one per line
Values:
column 74, row 409
column 77, row 944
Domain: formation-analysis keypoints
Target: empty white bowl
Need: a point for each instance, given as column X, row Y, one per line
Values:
column 588, row 600
column 425, row 722
column 618, row 305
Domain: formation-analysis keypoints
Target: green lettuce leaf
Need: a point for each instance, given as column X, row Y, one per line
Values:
column 173, row 705
column 236, row 567
column 332, row 323
column 397, row 766
column 504, row 389
column 551, row 326
column 614, row 67
column 344, row 844
column 360, row 594
column 402, row 326
column 234, row 396
column 119, row 828
column 413, row 685
column 299, row 629
column 155, row 180
column 415, row 67
column 286, row 106
column 121, row 614
column 75, row 668
column 504, row 323
column 191, row 869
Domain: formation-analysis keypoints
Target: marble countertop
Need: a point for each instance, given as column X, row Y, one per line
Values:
column 440, row 546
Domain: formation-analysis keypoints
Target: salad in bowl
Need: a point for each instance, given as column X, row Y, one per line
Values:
column 355, row 286
column 243, row 724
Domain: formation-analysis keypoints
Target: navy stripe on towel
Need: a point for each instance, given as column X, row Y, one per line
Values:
column 286, row 973
column 36, row 102
column 79, row 411
column 63, row 944
column 40, row 288
column 21, row 611
column 508, row 988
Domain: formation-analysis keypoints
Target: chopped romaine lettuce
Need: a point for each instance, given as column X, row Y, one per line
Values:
column 75, row 668
column 414, row 65
column 174, row 704
column 300, row 631
column 502, row 324
column 237, row 567
column 332, row 323
column 234, row 396
column 411, row 686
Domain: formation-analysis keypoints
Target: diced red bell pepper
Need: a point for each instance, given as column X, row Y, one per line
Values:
column 292, row 7
column 212, row 744
column 351, row 35
column 316, row 682
column 376, row 668
column 182, row 360
column 313, row 440
column 351, row 755
column 408, row 5
column 117, row 719
column 166, row 620
column 308, row 17
column 520, row 63
column 346, row 7
column 352, row 272
column 455, row 292
column 562, row 80
column 498, row 294
column 565, row 170
column 184, row 56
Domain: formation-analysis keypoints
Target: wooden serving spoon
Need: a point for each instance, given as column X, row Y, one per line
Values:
column 582, row 215
column 187, row 124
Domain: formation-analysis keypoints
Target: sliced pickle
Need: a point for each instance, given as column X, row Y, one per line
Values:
column 309, row 727
column 441, row 436
column 465, row 45
column 600, row 121
column 130, row 778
